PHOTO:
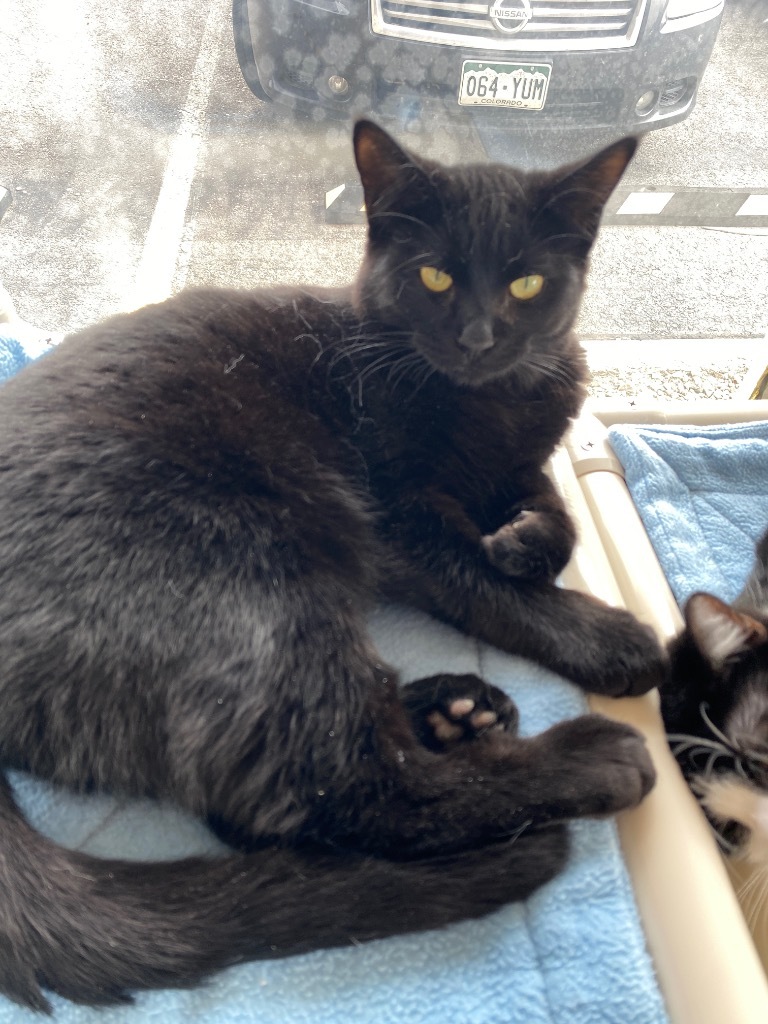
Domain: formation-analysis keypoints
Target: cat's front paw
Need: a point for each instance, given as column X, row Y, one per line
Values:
column 629, row 659
column 533, row 546
column 449, row 709
column 606, row 763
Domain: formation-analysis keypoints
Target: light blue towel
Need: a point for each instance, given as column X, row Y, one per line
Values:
column 20, row 343
column 13, row 355
column 702, row 493
column 572, row 954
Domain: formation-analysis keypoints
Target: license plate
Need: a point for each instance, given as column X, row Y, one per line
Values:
column 523, row 86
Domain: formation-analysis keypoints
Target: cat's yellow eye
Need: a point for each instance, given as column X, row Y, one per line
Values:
column 527, row 287
column 435, row 280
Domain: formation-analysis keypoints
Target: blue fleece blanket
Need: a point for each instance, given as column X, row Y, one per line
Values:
column 702, row 494
column 572, row 954
column 20, row 343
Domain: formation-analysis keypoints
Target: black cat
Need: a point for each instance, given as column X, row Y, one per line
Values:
column 715, row 707
column 199, row 502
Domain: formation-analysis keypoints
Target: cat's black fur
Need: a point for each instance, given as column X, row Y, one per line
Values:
column 199, row 502
column 715, row 706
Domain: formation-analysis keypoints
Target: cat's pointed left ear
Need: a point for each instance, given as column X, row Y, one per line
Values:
column 719, row 631
column 389, row 174
column 580, row 192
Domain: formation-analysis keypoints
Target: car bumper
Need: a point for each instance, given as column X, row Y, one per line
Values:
column 300, row 52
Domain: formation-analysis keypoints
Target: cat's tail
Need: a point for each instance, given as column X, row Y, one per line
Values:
column 93, row 930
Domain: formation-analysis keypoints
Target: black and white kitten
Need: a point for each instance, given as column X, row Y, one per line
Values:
column 199, row 503
column 715, row 706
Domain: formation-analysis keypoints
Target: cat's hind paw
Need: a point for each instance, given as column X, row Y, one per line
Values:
column 450, row 709
column 605, row 765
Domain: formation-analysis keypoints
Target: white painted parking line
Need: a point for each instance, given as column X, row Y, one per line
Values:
column 333, row 195
column 645, row 202
column 5, row 199
column 158, row 264
column 754, row 206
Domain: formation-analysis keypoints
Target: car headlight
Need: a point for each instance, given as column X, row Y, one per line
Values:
column 686, row 8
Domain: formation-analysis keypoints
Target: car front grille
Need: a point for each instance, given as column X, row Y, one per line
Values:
column 551, row 24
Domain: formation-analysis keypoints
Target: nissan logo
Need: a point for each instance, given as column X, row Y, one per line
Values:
column 510, row 17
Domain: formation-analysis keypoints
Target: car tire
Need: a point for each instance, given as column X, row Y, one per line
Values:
column 244, row 50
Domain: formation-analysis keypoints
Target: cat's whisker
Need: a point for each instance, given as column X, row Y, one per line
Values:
column 373, row 337
column 717, row 733
column 746, row 889
column 362, row 341
column 390, row 345
column 378, row 364
column 403, row 366
column 371, row 346
column 694, row 747
column 689, row 741
column 738, row 765
column 760, row 916
column 755, row 758
column 712, row 759
column 427, row 372
column 753, row 897
column 693, row 752
column 391, row 358
column 550, row 372
column 749, row 908
column 550, row 367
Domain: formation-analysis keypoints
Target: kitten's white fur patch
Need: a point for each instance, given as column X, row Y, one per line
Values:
column 731, row 798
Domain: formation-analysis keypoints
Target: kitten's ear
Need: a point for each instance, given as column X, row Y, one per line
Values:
column 390, row 175
column 579, row 193
column 719, row 631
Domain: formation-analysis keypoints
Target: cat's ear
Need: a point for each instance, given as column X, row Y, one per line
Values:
column 719, row 631
column 579, row 192
column 389, row 174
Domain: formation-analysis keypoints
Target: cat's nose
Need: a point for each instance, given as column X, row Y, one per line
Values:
column 477, row 336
